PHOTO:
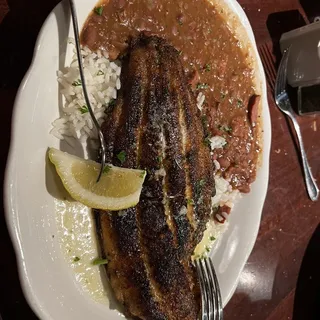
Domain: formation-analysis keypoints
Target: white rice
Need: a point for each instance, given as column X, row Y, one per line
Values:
column 225, row 195
column 200, row 100
column 102, row 80
column 217, row 142
column 216, row 164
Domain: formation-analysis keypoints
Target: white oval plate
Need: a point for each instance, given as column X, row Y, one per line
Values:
column 46, row 278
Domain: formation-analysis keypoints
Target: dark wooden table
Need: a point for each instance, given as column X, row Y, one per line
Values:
column 281, row 279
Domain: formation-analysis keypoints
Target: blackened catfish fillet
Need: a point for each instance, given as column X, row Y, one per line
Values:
column 157, row 125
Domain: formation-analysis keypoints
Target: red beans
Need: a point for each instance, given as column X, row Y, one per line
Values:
column 224, row 162
column 253, row 109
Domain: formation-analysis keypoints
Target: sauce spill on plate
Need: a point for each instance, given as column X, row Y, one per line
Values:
column 78, row 242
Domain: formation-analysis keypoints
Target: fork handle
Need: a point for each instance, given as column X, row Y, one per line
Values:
column 311, row 184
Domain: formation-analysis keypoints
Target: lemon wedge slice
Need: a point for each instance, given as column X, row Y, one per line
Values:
column 118, row 188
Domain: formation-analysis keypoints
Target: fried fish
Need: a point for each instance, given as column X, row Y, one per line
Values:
column 155, row 125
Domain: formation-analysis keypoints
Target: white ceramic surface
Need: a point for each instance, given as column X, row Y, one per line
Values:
column 46, row 278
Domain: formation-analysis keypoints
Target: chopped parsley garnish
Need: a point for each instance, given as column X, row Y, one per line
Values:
column 180, row 52
column 99, row 261
column 77, row 83
column 205, row 125
column 204, row 120
column 106, row 169
column 98, row 10
column 207, row 67
column 100, row 73
column 122, row 156
column 142, row 174
column 225, row 128
column 198, row 187
column 180, row 19
column 207, row 249
column 159, row 159
column 190, row 202
column 240, row 103
column 122, row 213
column 202, row 86
column 112, row 103
column 76, row 259
column 212, row 238
column 223, row 95
column 215, row 209
column 84, row 109
column 207, row 142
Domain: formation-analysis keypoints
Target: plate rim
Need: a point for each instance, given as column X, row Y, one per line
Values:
column 9, row 209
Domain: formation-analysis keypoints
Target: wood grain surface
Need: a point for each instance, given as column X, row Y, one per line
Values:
column 281, row 278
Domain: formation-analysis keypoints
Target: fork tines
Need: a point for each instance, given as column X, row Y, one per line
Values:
column 268, row 62
column 211, row 303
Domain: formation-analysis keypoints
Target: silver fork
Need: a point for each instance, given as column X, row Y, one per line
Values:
column 84, row 87
column 211, row 302
column 283, row 102
column 268, row 64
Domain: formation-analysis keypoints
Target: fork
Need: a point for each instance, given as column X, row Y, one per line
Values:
column 268, row 64
column 211, row 302
column 84, row 87
column 283, row 102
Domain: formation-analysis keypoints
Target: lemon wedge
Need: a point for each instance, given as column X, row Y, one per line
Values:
column 118, row 188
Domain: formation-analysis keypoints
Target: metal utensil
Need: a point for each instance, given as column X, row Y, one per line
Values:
column 283, row 102
column 268, row 64
column 211, row 302
column 85, row 92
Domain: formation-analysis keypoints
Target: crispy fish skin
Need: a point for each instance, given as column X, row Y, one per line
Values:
column 157, row 124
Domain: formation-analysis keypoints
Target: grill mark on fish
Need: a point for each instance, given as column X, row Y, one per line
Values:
column 157, row 235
